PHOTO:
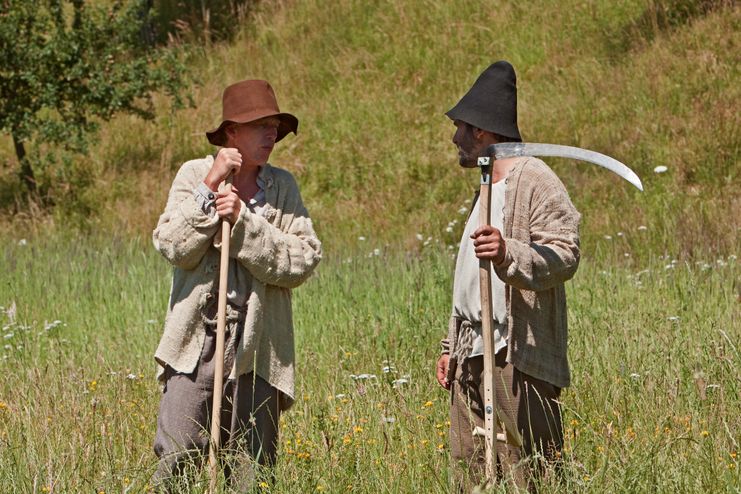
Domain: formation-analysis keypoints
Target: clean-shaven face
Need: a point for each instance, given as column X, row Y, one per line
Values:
column 255, row 140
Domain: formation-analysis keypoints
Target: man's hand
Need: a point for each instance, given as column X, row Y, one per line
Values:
column 228, row 160
column 442, row 370
column 228, row 204
column 489, row 244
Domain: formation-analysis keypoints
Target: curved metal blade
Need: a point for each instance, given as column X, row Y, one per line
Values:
column 511, row 149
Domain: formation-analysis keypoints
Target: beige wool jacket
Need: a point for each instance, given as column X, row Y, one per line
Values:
column 541, row 234
column 279, row 249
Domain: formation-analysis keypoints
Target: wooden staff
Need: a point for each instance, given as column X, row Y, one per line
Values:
column 487, row 327
column 492, row 414
column 219, row 354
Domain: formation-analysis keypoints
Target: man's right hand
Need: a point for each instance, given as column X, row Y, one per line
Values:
column 227, row 160
column 442, row 370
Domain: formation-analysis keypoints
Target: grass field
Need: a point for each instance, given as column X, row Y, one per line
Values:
column 655, row 337
column 654, row 351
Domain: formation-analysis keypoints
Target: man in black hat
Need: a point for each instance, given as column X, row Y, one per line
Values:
column 533, row 243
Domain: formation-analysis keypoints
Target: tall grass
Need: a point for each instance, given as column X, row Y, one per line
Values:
column 654, row 349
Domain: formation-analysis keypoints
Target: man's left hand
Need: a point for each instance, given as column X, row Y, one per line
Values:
column 228, row 204
column 489, row 244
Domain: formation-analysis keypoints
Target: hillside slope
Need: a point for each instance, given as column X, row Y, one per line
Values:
column 650, row 82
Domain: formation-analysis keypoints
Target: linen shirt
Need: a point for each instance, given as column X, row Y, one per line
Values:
column 279, row 249
column 467, row 287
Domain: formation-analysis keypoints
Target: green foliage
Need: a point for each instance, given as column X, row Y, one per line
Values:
column 65, row 66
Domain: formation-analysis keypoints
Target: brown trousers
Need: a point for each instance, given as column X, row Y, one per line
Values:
column 249, row 418
column 530, row 403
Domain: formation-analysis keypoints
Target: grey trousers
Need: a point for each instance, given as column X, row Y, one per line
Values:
column 529, row 402
column 249, row 419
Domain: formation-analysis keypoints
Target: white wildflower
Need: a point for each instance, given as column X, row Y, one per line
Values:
column 449, row 229
column 388, row 420
column 608, row 237
column 22, row 242
column 363, row 377
column 635, row 376
column 673, row 318
column 462, row 210
column 660, row 169
column 376, row 252
column 400, row 382
column 48, row 326
column 642, row 228
column 361, row 238
column 132, row 377
column 420, row 237
column 8, row 336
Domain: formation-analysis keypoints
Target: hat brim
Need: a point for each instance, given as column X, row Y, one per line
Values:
column 288, row 123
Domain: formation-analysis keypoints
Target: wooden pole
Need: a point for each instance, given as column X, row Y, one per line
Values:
column 487, row 327
column 215, row 444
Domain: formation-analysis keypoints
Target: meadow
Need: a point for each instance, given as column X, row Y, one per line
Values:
column 655, row 338
column 654, row 349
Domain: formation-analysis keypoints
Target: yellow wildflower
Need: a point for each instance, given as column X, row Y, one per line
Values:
column 263, row 485
column 357, row 429
column 427, row 404
column 705, row 433
column 3, row 405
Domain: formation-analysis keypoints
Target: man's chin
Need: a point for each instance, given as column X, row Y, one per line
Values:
column 466, row 163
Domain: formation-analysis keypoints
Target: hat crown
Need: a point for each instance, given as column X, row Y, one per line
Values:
column 491, row 103
column 246, row 97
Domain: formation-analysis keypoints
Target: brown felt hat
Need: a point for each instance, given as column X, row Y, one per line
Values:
column 247, row 101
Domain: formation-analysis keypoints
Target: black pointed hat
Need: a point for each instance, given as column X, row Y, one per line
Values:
column 491, row 103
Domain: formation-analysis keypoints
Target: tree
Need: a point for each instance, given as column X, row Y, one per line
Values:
column 66, row 66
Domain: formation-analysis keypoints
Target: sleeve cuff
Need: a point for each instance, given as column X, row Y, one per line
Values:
column 205, row 198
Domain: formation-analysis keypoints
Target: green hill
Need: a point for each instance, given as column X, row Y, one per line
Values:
column 650, row 82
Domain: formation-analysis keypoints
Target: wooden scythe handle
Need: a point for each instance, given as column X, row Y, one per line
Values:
column 215, row 444
column 487, row 330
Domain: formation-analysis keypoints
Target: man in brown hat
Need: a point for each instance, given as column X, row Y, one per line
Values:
column 273, row 248
column 533, row 243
